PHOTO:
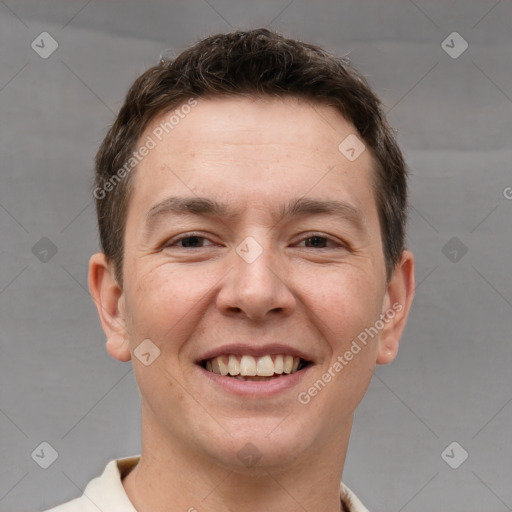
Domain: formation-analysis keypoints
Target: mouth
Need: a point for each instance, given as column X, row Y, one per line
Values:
column 254, row 369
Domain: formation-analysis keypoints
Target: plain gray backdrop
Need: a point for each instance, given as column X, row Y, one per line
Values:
column 451, row 381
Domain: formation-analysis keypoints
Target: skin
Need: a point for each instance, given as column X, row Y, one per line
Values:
column 255, row 155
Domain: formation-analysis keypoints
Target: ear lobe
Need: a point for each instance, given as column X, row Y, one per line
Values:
column 395, row 308
column 118, row 347
column 109, row 299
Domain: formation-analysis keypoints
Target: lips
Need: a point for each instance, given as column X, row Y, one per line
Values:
column 252, row 363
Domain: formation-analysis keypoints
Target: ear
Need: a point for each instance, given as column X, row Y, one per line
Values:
column 395, row 308
column 110, row 302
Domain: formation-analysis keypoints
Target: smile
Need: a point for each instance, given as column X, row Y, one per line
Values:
column 250, row 368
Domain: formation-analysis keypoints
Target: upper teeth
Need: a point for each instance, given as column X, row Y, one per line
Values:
column 246, row 365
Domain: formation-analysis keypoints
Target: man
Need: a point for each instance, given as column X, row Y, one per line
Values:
column 251, row 202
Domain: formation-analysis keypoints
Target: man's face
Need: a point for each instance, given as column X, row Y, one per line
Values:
column 289, row 269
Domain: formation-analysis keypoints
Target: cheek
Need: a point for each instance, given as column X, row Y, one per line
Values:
column 165, row 303
column 344, row 301
column 344, row 305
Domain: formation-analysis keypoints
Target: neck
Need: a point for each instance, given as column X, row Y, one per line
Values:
column 172, row 478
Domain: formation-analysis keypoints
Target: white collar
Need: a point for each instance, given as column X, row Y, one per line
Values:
column 106, row 492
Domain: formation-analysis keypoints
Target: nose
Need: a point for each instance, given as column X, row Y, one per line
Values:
column 256, row 289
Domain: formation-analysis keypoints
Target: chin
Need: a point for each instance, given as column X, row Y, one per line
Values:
column 254, row 445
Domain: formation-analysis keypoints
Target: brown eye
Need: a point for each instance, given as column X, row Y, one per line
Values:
column 318, row 242
column 192, row 241
column 189, row 242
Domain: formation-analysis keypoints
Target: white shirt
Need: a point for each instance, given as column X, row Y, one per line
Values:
column 106, row 492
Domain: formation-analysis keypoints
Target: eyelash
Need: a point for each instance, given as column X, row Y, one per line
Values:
column 173, row 242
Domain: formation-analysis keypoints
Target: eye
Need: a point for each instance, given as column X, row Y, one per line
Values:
column 318, row 242
column 189, row 241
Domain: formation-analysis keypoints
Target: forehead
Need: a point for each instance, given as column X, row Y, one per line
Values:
column 247, row 148
column 253, row 120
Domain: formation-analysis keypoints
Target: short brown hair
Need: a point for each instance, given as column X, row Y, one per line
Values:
column 255, row 62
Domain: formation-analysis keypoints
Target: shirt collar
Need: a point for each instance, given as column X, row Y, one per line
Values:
column 107, row 491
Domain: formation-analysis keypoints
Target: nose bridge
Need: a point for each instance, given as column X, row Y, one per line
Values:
column 255, row 287
column 261, row 272
column 254, row 268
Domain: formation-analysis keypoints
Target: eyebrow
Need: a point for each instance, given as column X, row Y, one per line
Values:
column 306, row 206
column 300, row 207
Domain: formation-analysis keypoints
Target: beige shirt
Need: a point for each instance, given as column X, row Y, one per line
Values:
column 106, row 492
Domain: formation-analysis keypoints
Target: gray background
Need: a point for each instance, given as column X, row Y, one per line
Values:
column 452, row 378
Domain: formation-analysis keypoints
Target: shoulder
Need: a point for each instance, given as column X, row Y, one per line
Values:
column 350, row 501
column 104, row 492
